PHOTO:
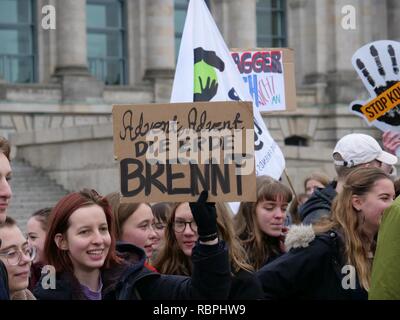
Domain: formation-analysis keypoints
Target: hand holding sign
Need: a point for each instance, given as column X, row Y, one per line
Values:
column 377, row 66
column 205, row 215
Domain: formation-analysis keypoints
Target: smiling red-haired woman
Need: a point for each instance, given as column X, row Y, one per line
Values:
column 81, row 246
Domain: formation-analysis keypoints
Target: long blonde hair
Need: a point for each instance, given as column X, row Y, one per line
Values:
column 258, row 245
column 349, row 223
column 237, row 254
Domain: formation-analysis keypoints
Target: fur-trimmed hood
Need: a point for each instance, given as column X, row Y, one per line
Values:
column 299, row 236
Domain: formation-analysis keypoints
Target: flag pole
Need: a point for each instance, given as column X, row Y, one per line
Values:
column 290, row 183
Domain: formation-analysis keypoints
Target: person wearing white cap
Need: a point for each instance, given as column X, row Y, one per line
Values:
column 351, row 151
column 360, row 149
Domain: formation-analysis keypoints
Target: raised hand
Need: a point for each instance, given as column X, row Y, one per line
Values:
column 205, row 215
column 208, row 91
column 377, row 79
column 391, row 141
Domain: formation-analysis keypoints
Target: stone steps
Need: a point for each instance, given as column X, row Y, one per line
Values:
column 32, row 190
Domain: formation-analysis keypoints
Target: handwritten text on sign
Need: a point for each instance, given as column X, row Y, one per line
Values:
column 263, row 73
column 171, row 152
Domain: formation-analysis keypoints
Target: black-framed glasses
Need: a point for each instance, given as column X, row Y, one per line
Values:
column 180, row 225
column 14, row 256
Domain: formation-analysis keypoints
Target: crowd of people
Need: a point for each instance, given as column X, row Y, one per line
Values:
column 336, row 239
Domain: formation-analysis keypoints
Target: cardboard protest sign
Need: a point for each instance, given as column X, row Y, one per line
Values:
column 171, row 152
column 377, row 64
column 269, row 75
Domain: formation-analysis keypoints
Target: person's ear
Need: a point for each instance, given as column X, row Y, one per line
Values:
column 61, row 242
column 356, row 202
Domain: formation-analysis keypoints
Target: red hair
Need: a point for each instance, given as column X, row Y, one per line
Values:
column 59, row 223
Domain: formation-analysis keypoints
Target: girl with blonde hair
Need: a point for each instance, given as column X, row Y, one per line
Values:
column 333, row 259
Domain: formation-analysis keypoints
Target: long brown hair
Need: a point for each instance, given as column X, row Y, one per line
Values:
column 121, row 211
column 172, row 260
column 59, row 223
column 349, row 222
column 258, row 245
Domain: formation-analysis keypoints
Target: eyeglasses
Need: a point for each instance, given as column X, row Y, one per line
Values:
column 14, row 256
column 180, row 226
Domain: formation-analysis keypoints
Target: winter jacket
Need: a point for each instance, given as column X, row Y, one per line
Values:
column 385, row 279
column 133, row 281
column 36, row 273
column 311, row 269
column 245, row 286
column 4, row 294
column 318, row 205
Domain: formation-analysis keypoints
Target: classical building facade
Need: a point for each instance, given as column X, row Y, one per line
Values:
column 63, row 63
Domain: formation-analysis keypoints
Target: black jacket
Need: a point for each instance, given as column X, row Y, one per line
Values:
column 133, row 281
column 245, row 286
column 313, row 272
column 318, row 205
column 4, row 293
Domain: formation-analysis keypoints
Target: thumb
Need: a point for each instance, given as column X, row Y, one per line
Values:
column 355, row 108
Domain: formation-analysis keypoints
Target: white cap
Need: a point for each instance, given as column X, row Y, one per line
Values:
column 358, row 148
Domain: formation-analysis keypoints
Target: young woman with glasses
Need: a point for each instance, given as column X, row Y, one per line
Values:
column 161, row 212
column 181, row 236
column 17, row 256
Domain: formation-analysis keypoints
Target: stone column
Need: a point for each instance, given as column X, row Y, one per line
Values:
column 301, row 23
column 242, row 30
column 71, row 67
column 160, row 54
column 370, row 25
column 324, row 48
column 393, row 12
column 71, row 32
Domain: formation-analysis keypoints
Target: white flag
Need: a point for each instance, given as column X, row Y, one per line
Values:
column 205, row 71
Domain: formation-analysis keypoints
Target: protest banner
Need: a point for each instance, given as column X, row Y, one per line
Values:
column 171, row 152
column 269, row 75
column 377, row 64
